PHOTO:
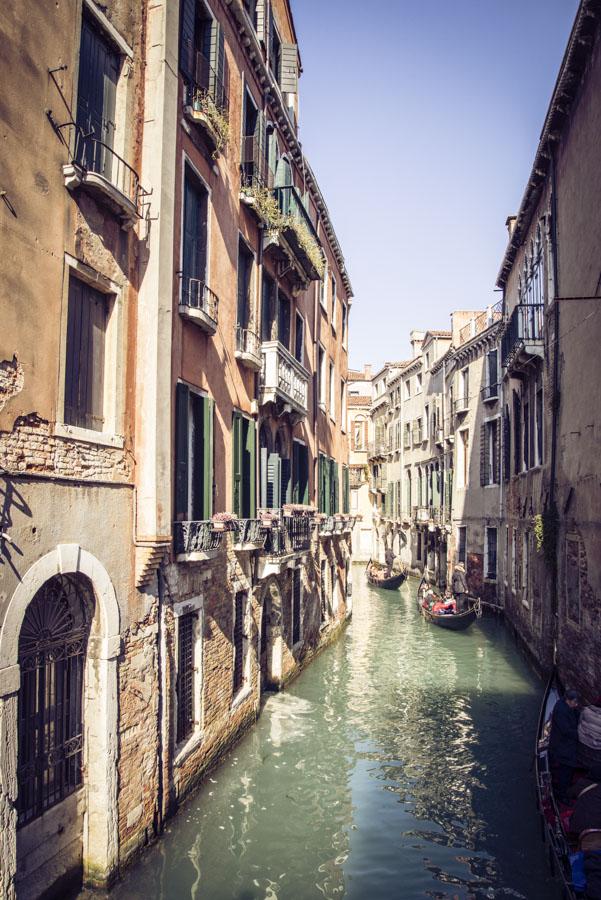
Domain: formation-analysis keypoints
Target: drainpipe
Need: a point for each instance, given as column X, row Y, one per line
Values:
column 555, row 391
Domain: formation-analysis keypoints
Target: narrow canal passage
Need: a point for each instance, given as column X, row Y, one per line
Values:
column 396, row 766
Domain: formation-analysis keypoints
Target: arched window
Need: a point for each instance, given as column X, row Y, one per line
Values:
column 52, row 652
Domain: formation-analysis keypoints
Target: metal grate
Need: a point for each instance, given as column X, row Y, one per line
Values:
column 185, row 676
column 52, row 650
column 239, row 603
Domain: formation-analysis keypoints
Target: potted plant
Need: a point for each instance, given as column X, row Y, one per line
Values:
column 223, row 521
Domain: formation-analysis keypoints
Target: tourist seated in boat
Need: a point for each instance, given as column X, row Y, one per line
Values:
column 563, row 743
column 585, row 827
column 589, row 736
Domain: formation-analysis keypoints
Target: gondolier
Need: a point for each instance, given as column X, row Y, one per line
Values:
column 460, row 588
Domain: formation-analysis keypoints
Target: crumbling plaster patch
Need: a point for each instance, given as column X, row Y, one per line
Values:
column 12, row 380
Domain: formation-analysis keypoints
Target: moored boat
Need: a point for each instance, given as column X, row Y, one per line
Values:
column 375, row 576
column 552, row 825
column 450, row 621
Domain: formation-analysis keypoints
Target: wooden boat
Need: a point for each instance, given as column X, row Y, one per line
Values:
column 391, row 583
column 450, row 621
column 552, row 827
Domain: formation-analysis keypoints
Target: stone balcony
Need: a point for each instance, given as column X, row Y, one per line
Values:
column 284, row 381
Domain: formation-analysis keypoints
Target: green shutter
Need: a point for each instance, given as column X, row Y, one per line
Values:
column 250, row 484
column 208, row 468
column 303, row 473
column 186, row 38
column 334, row 500
column 181, row 451
column 295, row 472
column 273, row 480
column 237, row 464
column 346, row 490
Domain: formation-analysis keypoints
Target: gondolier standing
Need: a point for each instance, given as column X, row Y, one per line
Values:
column 460, row 588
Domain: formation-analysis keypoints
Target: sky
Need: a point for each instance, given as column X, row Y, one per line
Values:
column 420, row 121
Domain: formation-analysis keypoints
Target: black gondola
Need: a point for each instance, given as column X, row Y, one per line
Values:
column 390, row 583
column 559, row 848
column 453, row 621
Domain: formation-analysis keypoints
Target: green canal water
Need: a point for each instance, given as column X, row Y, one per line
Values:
column 396, row 766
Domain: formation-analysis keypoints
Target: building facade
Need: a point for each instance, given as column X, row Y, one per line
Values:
column 359, row 432
column 176, row 529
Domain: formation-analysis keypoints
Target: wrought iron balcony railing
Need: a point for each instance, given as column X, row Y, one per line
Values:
column 250, row 532
column 298, row 229
column 199, row 303
column 461, row 405
column 298, row 529
column 490, row 391
column 195, row 537
column 248, row 348
column 376, row 448
column 207, row 83
column 326, row 526
column 481, row 322
column 524, row 332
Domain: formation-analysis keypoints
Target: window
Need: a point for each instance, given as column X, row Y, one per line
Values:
column 299, row 338
column 323, row 289
column 268, row 301
column 426, row 422
column 253, row 125
column 194, row 242
column 345, row 490
column 539, row 424
column 358, row 434
column 322, row 377
column 419, row 550
column 407, row 439
column 463, row 459
column 344, row 324
column 491, row 390
column 275, row 50
column 325, row 606
column 490, row 453
column 295, row 617
column 194, row 455
column 515, row 563
column 427, row 361
column 343, row 411
column 408, row 491
column 332, row 393
column 526, row 435
column 96, row 100
column 525, row 584
column 407, row 389
column 244, row 467
column 87, row 319
column 517, row 434
column 334, row 304
column 52, row 654
column 283, row 320
column 462, row 544
column 240, row 641
column 245, row 269
column 464, row 388
column 490, row 558
column 300, row 472
column 572, row 562
column 507, row 562
column 203, row 60
column 418, row 383
column 188, row 686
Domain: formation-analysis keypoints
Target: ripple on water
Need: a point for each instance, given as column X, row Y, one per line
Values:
column 396, row 766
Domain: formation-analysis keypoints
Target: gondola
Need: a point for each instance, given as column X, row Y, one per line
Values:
column 390, row 584
column 553, row 832
column 454, row 621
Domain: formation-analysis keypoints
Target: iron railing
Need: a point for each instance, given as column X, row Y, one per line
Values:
column 291, row 204
column 490, row 391
column 298, row 529
column 195, row 537
column 196, row 294
column 481, row 322
column 283, row 374
column 326, row 526
column 248, row 342
column 207, row 85
column 250, row 531
column 376, row 448
column 525, row 325
column 299, row 230
column 460, row 405
column 256, row 171
column 93, row 155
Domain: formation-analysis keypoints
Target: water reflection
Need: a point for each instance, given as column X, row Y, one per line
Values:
column 396, row 766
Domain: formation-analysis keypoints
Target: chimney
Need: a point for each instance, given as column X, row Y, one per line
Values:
column 367, row 370
column 510, row 224
column 416, row 339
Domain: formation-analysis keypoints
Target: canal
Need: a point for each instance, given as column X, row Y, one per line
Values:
column 396, row 766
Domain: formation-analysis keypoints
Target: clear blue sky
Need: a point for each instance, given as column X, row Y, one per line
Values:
column 421, row 121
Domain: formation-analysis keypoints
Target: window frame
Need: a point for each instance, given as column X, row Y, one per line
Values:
column 462, row 558
column 487, row 574
column 193, row 606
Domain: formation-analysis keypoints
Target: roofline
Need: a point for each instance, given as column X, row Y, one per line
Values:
column 578, row 51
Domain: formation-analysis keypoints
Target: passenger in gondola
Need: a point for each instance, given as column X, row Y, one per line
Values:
column 589, row 736
column 563, row 743
column 585, row 825
column 389, row 560
column 460, row 588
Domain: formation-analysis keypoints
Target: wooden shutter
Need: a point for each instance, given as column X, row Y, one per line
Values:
column 208, row 466
column 333, row 487
column 303, row 473
column 296, row 472
column 483, row 456
column 237, row 464
column 250, row 470
column 261, row 18
column 346, row 489
column 199, row 484
column 181, row 451
column 186, row 38
column 289, row 68
column 263, row 477
column 506, row 445
column 273, row 481
column 286, row 490
column 217, row 62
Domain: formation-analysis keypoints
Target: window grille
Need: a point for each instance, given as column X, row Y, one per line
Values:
column 239, row 604
column 52, row 651
column 185, row 676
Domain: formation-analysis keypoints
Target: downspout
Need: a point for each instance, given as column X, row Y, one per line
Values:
column 555, row 399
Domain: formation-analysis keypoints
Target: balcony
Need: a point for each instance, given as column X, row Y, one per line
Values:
column 407, row 440
column 206, row 104
column 298, row 530
column 256, row 172
column 94, row 167
column 284, row 381
column 438, row 436
column 248, row 349
column 357, row 476
column 298, row 232
column 195, row 541
column 326, row 526
column 417, row 435
column 376, row 449
column 480, row 323
column 461, row 405
column 249, row 535
column 522, row 340
column 490, row 393
column 199, row 304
